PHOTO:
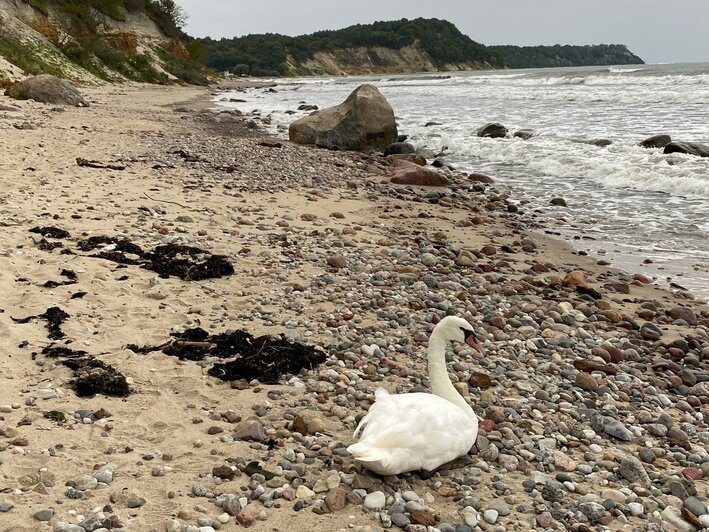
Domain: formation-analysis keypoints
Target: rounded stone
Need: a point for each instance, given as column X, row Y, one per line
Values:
column 375, row 500
column 44, row 515
column 636, row 509
column 586, row 381
column 429, row 260
column 490, row 516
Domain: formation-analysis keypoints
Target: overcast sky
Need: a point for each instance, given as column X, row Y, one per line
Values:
column 659, row 31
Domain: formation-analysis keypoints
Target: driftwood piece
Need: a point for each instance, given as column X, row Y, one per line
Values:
column 97, row 164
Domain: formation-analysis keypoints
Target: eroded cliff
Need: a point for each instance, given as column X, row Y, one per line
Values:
column 91, row 41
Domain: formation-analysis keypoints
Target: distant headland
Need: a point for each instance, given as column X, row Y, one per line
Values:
column 402, row 46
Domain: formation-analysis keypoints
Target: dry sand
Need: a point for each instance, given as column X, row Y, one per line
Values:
column 164, row 422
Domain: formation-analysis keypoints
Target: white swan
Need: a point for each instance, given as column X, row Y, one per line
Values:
column 412, row 431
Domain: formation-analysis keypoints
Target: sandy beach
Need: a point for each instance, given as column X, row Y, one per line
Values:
column 592, row 394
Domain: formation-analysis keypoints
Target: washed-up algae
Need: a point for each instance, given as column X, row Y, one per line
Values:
column 121, row 245
column 264, row 358
column 185, row 262
column 71, row 276
column 54, row 317
column 51, row 232
column 91, row 376
column 188, row 263
column 46, row 245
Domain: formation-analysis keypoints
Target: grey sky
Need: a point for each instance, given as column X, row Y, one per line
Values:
column 659, row 31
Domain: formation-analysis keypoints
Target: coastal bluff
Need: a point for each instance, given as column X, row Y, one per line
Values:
column 94, row 41
column 393, row 47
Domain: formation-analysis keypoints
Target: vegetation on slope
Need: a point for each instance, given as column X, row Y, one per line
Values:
column 165, row 13
column 566, row 56
column 270, row 54
column 267, row 55
column 81, row 32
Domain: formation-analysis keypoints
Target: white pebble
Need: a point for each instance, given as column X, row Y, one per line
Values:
column 491, row 516
column 636, row 508
column 375, row 500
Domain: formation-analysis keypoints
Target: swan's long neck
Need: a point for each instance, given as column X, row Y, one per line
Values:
column 441, row 384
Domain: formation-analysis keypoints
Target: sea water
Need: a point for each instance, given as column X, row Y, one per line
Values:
column 625, row 203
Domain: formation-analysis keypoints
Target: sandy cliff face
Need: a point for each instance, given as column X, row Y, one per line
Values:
column 34, row 41
column 372, row 60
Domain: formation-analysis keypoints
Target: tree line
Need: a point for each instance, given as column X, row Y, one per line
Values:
column 566, row 55
column 269, row 54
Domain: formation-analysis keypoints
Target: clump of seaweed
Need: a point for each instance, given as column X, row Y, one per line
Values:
column 54, row 317
column 51, row 232
column 91, row 376
column 185, row 262
column 264, row 358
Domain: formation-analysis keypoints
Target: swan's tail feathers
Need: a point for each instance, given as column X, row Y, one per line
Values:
column 363, row 452
column 379, row 394
column 361, row 426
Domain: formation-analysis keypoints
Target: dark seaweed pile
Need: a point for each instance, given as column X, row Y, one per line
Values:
column 71, row 276
column 54, row 317
column 46, row 245
column 263, row 358
column 188, row 263
column 51, row 232
column 91, row 376
column 185, row 262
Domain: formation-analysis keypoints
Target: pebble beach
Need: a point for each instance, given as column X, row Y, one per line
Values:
column 592, row 393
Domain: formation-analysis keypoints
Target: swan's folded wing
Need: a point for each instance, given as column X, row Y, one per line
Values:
column 412, row 431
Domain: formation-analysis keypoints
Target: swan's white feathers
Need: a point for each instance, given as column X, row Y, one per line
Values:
column 411, row 431
column 379, row 394
column 417, row 430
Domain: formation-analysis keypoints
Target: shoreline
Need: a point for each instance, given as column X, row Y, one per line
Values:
column 327, row 252
column 598, row 249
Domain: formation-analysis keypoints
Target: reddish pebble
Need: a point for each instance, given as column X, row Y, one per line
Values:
column 245, row 518
column 337, row 261
column 693, row 473
column 488, row 425
column 488, row 250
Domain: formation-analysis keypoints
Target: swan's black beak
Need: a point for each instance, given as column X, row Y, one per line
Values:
column 472, row 341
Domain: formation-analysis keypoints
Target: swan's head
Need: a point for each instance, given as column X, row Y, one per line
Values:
column 455, row 329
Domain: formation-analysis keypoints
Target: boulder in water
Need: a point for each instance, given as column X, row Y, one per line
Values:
column 47, row 89
column 656, row 141
column 493, row 130
column 480, row 178
column 365, row 120
column 399, row 147
column 690, row 148
column 524, row 134
column 601, row 143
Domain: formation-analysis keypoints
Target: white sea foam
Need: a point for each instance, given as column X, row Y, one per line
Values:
column 622, row 194
column 624, row 70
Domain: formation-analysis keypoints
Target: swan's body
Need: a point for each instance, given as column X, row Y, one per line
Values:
column 407, row 432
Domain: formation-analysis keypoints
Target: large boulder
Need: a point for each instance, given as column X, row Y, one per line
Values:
column 690, row 148
column 656, row 141
column 47, row 89
column 495, row 131
column 365, row 120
